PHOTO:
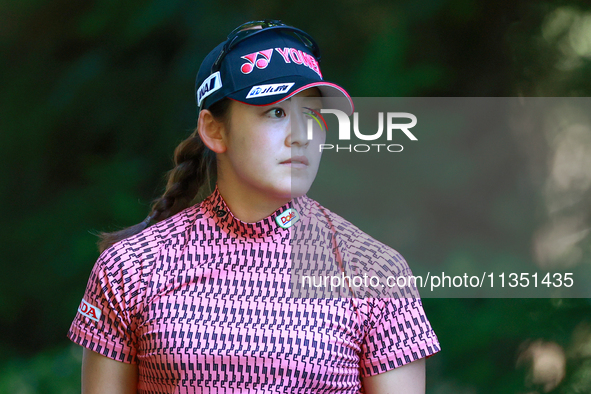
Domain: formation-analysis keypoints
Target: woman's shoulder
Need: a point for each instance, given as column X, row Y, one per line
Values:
column 345, row 229
column 359, row 253
column 172, row 231
column 361, row 247
column 132, row 265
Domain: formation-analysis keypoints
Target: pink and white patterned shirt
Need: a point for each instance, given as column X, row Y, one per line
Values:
column 202, row 303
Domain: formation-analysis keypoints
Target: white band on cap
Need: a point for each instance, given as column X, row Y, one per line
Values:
column 210, row 85
column 269, row 90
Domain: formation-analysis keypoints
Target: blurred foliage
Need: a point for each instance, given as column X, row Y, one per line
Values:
column 96, row 95
column 53, row 370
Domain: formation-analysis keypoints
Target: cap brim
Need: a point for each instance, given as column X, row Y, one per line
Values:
column 333, row 95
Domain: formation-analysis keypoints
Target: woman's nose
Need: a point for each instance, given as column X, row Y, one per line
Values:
column 298, row 123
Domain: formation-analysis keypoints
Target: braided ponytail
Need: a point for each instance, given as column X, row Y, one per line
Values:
column 195, row 165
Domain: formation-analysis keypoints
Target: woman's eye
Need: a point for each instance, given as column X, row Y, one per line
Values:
column 276, row 113
column 312, row 110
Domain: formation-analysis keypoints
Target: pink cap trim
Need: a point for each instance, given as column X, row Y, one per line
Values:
column 308, row 86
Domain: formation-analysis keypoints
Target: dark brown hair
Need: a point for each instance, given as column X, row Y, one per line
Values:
column 195, row 166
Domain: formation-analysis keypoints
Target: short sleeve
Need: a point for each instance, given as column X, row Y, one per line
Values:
column 398, row 333
column 104, row 321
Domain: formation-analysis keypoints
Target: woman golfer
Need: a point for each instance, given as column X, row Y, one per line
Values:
column 201, row 298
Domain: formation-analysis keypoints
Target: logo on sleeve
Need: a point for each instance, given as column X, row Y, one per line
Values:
column 90, row 311
column 269, row 90
column 287, row 218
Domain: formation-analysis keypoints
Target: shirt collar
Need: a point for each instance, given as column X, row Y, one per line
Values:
column 217, row 209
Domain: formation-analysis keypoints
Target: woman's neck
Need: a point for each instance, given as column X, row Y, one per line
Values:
column 246, row 204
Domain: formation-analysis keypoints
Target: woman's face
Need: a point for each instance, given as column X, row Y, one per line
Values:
column 267, row 148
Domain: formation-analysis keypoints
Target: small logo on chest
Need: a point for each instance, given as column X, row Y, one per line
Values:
column 287, row 218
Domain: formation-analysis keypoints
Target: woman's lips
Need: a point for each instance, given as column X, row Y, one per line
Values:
column 296, row 162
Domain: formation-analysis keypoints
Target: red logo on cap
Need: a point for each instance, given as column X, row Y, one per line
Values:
column 254, row 60
column 261, row 59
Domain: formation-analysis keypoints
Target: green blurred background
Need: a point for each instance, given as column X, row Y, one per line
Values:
column 95, row 96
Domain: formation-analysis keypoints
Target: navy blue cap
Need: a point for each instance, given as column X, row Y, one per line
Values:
column 269, row 67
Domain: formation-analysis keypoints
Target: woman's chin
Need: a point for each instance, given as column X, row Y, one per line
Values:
column 289, row 192
column 299, row 187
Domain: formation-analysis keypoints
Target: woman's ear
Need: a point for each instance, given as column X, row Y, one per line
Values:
column 211, row 131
